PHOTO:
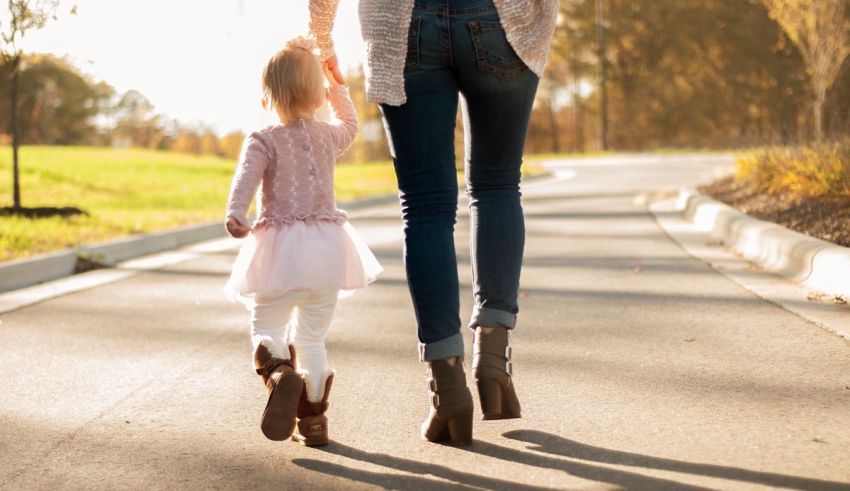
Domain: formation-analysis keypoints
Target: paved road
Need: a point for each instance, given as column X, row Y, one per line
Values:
column 638, row 366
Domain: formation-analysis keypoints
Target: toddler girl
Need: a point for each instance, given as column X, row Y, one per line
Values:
column 301, row 253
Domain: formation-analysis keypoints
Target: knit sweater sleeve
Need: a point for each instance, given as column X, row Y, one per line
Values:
column 344, row 128
column 322, row 14
column 253, row 161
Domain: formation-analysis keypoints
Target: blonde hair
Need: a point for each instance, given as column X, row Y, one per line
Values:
column 293, row 82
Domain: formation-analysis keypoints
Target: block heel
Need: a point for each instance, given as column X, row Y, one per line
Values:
column 490, row 396
column 460, row 429
column 450, row 417
column 493, row 371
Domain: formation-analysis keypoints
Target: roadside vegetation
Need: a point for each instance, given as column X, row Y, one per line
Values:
column 806, row 189
column 801, row 172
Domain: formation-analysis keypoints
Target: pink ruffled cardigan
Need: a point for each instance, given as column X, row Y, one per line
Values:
column 295, row 163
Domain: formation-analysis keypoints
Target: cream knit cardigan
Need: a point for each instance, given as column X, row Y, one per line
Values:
column 529, row 25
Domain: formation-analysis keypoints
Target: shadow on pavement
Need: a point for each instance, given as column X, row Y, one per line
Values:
column 403, row 481
column 386, row 481
column 465, row 480
column 422, row 468
column 623, row 479
column 558, row 445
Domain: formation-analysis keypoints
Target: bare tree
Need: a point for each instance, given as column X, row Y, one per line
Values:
column 821, row 32
column 22, row 16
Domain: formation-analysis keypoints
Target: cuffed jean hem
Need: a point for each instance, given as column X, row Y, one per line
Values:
column 482, row 316
column 442, row 349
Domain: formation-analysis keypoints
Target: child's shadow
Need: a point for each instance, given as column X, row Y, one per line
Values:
column 558, row 445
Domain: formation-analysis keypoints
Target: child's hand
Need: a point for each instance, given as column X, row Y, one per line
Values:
column 236, row 229
column 332, row 71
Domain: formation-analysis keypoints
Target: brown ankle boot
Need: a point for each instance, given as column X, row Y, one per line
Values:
column 284, row 386
column 312, row 420
column 491, row 367
column 450, row 418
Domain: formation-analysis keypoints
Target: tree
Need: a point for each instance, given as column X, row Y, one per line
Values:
column 21, row 17
column 821, row 32
column 57, row 105
column 187, row 141
column 230, row 144
column 136, row 123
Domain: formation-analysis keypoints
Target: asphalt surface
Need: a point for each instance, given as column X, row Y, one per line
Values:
column 639, row 367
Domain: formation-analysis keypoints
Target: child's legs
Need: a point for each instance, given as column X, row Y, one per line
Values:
column 270, row 322
column 311, row 323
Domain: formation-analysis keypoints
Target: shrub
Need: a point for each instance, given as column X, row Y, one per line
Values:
column 801, row 171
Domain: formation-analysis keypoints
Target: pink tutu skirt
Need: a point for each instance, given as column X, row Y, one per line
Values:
column 313, row 256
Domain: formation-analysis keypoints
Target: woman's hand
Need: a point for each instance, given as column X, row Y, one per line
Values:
column 236, row 229
column 332, row 68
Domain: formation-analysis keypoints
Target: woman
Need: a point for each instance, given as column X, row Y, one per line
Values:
column 423, row 54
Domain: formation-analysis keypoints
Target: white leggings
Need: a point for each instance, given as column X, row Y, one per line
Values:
column 301, row 317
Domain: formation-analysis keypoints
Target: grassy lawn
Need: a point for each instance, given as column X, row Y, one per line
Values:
column 130, row 191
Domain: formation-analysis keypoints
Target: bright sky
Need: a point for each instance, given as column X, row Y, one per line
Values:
column 198, row 61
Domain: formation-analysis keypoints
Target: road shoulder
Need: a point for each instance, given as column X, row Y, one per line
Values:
column 767, row 264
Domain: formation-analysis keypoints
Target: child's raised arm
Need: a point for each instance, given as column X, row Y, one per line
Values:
column 345, row 127
column 253, row 161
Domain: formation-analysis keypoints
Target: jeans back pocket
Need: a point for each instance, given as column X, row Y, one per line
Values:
column 493, row 51
column 412, row 58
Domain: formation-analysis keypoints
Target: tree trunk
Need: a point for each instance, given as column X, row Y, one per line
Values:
column 16, row 62
column 602, row 88
column 553, row 126
column 578, row 128
column 820, row 99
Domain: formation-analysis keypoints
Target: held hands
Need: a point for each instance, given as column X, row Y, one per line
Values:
column 236, row 229
column 332, row 71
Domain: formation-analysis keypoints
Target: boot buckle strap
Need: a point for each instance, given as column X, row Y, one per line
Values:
column 442, row 385
column 508, row 352
column 509, row 367
column 452, row 396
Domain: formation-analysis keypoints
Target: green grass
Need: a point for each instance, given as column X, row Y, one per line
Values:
column 129, row 191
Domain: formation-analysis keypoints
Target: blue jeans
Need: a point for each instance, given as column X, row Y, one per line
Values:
column 459, row 47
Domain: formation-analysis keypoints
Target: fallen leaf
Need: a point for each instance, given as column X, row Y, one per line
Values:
column 839, row 300
column 689, row 340
column 814, row 296
column 818, row 440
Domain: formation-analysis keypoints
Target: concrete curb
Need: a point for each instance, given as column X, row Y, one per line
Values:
column 47, row 267
column 814, row 263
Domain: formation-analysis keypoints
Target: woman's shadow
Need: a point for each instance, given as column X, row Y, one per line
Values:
column 558, row 445
column 435, row 476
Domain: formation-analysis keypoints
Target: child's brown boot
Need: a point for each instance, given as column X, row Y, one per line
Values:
column 284, row 386
column 312, row 420
column 450, row 418
column 491, row 366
